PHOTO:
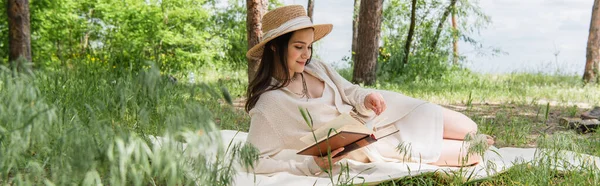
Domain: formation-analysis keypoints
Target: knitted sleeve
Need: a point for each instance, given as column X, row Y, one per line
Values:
column 272, row 158
column 354, row 93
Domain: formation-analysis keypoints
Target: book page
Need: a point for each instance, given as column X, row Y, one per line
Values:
column 337, row 124
column 375, row 122
column 381, row 133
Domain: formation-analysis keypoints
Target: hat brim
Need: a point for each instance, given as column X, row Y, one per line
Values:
column 321, row 30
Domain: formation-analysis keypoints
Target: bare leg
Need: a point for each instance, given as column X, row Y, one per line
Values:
column 457, row 125
column 454, row 154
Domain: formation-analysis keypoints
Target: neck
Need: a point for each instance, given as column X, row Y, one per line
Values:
column 294, row 75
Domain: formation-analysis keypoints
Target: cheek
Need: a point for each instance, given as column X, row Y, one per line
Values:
column 293, row 55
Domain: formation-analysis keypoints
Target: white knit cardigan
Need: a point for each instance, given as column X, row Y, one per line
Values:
column 276, row 123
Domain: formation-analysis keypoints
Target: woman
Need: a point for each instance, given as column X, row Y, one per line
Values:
column 287, row 78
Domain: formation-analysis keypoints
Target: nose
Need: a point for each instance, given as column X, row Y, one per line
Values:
column 306, row 54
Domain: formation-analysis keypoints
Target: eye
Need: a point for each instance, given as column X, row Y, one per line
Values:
column 298, row 47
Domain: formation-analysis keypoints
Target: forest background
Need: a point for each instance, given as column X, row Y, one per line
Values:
column 103, row 76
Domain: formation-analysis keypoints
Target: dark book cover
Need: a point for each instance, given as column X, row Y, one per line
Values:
column 351, row 141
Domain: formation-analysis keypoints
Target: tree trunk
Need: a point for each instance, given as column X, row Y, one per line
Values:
column 592, row 64
column 309, row 9
column 440, row 27
column 411, row 30
column 355, row 29
column 454, row 38
column 19, row 36
column 255, row 10
column 86, row 37
column 369, row 29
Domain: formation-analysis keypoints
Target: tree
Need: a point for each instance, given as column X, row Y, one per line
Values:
column 355, row 29
column 369, row 29
column 255, row 9
column 592, row 64
column 309, row 9
column 440, row 26
column 438, row 31
column 397, row 62
column 19, row 35
column 411, row 30
column 454, row 37
column 86, row 37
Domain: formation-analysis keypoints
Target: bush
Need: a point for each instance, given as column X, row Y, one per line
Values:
column 89, row 125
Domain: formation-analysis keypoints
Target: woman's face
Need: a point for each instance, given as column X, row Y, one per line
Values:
column 299, row 50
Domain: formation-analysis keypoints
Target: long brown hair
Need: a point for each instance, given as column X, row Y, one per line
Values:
column 267, row 68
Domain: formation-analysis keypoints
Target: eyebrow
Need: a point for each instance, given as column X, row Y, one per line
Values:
column 300, row 42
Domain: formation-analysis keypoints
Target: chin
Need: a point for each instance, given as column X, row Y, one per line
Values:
column 298, row 69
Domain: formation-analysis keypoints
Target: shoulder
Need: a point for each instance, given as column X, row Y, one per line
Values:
column 319, row 68
column 271, row 95
column 268, row 100
column 317, row 64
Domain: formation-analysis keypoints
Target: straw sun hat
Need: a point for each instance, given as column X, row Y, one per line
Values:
column 284, row 20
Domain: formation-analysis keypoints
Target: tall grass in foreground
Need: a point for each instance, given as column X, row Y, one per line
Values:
column 88, row 126
column 552, row 165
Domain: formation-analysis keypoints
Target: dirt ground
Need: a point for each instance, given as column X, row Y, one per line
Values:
column 529, row 114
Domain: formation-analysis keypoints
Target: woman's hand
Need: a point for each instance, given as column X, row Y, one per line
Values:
column 375, row 102
column 323, row 162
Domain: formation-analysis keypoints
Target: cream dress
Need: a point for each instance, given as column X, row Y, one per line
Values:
column 277, row 125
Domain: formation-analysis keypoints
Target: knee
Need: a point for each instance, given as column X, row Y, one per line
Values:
column 460, row 120
column 470, row 124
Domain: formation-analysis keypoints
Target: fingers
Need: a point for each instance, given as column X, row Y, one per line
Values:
column 375, row 102
column 336, row 151
column 372, row 101
column 383, row 105
column 369, row 103
column 333, row 153
column 378, row 103
column 336, row 159
column 323, row 162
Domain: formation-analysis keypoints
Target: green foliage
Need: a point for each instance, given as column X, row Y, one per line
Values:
column 126, row 35
column 88, row 125
column 3, row 36
column 424, row 62
column 55, row 31
column 230, row 24
column 171, row 33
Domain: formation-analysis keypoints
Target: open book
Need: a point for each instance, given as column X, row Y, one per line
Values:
column 343, row 131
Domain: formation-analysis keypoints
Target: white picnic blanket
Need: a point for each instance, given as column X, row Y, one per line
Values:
column 496, row 160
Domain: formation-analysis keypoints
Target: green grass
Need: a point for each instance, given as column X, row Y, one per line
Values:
column 85, row 126
column 75, row 125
